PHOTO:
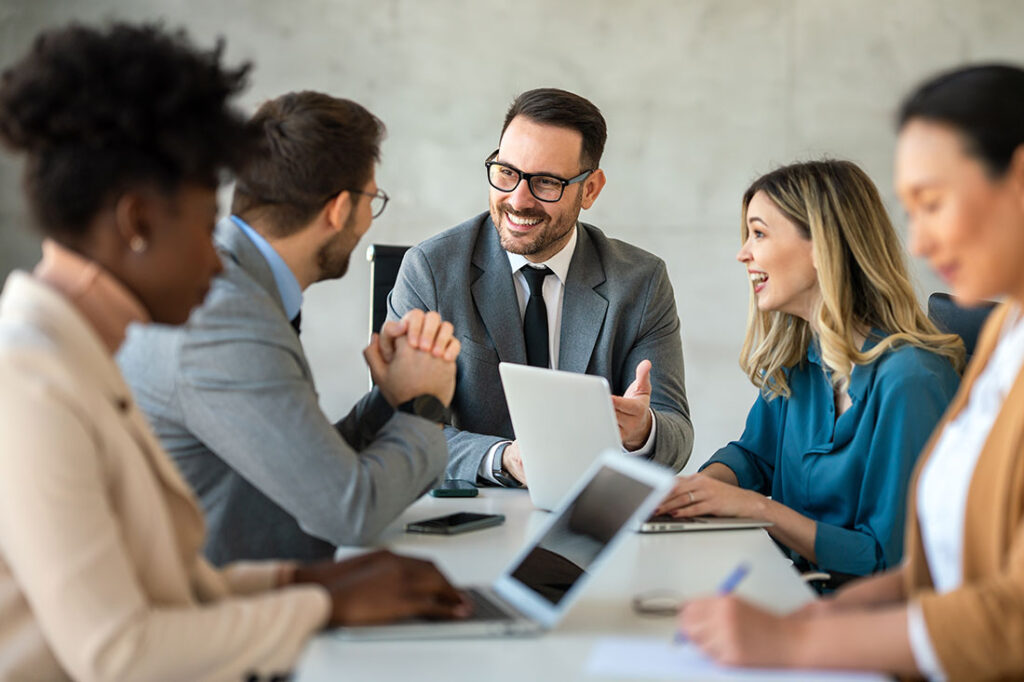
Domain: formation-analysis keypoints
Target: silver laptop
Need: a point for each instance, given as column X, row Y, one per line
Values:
column 666, row 524
column 537, row 588
column 562, row 422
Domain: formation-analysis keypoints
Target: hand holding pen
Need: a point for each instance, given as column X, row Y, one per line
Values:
column 728, row 585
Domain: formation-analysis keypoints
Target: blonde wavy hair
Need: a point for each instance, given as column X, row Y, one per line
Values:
column 861, row 272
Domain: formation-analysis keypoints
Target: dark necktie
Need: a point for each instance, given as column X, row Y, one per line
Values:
column 535, row 321
column 297, row 322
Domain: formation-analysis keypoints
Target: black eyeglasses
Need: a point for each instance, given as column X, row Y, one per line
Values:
column 547, row 188
column 378, row 200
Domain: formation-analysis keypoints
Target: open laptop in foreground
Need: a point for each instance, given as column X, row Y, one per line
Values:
column 563, row 421
column 536, row 589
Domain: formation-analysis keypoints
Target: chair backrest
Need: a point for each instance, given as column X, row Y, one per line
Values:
column 962, row 321
column 384, row 263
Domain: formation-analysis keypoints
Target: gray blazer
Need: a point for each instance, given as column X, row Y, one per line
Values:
column 232, row 399
column 618, row 309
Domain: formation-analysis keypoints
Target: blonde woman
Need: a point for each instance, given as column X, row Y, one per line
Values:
column 954, row 609
column 852, row 375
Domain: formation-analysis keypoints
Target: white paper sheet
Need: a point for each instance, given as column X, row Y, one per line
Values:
column 659, row 659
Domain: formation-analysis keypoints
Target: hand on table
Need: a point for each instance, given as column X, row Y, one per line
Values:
column 632, row 409
column 700, row 495
column 382, row 587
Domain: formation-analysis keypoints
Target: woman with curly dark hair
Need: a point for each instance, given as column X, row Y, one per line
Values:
column 125, row 131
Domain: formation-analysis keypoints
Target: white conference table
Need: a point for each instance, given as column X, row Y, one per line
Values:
column 688, row 564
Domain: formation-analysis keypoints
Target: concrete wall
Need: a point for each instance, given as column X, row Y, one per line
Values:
column 700, row 97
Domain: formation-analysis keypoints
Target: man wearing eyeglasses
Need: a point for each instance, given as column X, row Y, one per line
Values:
column 231, row 395
column 527, row 282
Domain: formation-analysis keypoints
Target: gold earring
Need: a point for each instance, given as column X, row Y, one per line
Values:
column 137, row 244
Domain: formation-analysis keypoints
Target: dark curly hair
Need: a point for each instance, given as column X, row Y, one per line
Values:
column 101, row 111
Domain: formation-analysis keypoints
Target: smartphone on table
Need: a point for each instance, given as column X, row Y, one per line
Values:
column 460, row 522
column 455, row 487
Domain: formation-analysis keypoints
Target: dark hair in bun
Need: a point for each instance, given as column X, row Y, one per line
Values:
column 101, row 111
column 984, row 103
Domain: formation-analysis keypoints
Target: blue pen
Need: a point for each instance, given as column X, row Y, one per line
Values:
column 728, row 586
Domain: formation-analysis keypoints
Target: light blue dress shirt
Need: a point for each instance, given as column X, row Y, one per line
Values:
column 849, row 474
column 287, row 284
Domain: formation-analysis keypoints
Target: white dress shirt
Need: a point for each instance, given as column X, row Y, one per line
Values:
column 554, row 294
column 946, row 479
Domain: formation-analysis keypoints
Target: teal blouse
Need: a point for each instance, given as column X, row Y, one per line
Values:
column 849, row 474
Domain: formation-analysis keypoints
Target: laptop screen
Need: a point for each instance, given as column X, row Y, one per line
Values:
column 580, row 534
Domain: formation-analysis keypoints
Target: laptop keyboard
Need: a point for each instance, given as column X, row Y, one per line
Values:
column 483, row 607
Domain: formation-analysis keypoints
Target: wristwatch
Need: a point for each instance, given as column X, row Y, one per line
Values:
column 426, row 406
column 499, row 472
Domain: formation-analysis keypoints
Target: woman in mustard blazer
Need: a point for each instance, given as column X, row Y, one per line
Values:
column 101, row 577
column 955, row 607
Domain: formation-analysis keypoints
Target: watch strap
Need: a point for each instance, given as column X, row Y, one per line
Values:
column 498, row 470
column 426, row 406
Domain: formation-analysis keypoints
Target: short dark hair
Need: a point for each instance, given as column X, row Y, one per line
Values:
column 984, row 103
column 564, row 109
column 101, row 111
column 314, row 146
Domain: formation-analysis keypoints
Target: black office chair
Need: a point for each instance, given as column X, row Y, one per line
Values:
column 962, row 321
column 384, row 263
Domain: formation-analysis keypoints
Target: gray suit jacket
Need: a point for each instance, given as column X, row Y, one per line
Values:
column 231, row 397
column 618, row 309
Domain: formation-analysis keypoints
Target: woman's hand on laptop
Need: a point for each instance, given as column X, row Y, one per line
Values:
column 700, row 495
column 381, row 587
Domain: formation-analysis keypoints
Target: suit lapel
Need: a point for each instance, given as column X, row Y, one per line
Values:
column 495, row 296
column 233, row 244
column 583, row 309
column 190, row 525
column 84, row 351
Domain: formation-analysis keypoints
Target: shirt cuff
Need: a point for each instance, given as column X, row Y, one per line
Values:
column 487, row 464
column 647, row 448
column 921, row 644
column 253, row 577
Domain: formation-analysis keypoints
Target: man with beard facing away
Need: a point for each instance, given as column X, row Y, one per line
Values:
column 527, row 282
column 231, row 395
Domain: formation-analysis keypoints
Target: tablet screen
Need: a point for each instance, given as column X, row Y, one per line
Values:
column 582, row 531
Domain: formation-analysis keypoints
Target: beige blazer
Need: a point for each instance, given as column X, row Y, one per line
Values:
column 101, row 576
column 978, row 629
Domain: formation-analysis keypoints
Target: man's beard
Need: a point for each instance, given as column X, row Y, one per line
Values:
column 332, row 261
column 548, row 234
column 333, row 257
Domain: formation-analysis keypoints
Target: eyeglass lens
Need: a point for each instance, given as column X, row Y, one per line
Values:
column 544, row 187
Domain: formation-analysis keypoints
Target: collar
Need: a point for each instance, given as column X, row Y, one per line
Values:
column 287, row 285
column 559, row 263
column 34, row 302
column 861, row 376
column 106, row 304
